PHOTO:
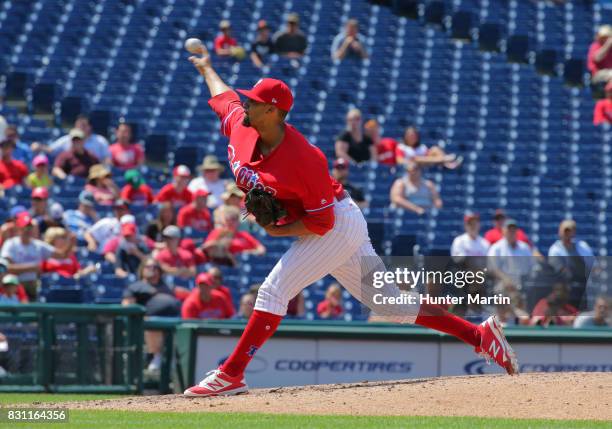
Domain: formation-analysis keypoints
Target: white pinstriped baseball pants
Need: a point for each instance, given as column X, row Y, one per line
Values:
column 341, row 252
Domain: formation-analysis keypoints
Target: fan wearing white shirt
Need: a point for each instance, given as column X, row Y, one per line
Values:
column 509, row 260
column 470, row 243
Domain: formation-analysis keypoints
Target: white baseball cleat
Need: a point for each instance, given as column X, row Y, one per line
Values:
column 494, row 346
column 218, row 383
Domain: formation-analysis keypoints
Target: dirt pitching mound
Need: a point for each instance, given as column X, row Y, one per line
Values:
column 534, row 395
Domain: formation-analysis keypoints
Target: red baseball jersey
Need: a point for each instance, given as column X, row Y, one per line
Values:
column 295, row 172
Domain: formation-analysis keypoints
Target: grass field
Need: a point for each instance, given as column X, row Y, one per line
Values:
column 124, row 419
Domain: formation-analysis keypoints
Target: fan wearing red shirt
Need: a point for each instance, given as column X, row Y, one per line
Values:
column 386, row 147
column 205, row 302
column 173, row 259
column 496, row 233
column 135, row 190
column 603, row 108
column 224, row 41
column 196, row 214
column 599, row 58
column 176, row 191
column 65, row 267
column 12, row 171
column 331, row 306
column 332, row 234
column 124, row 153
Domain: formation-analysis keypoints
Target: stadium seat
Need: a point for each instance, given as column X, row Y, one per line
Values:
column 16, row 85
column 434, row 12
column 156, row 148
column 43, row 98
column 407, row 8
column 573, row 72
column 101, row 121
column 517, row 48
column 488, row 37
column 546, row 61
column 461, row 25
column 70, row 108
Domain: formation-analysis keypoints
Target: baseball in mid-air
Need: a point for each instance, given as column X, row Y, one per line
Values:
column 194, row 45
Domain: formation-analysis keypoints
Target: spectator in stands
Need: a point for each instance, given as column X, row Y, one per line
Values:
column 40, row 176
column 100, row 183
column 599, row 58
column 176, row 192
column 205, row 302
column 232, row 196
column 136, row 191
column 22, row 296
column 166, row 215
column 348, row 44
column 68, row 266
column 413, row 193
column 603, row 108
column 510, row 260
column 598, row 317
column 8, row 290
column 225, row 240
column 290, row 42
column 554, row 309
column 12, row 171
column 216, row 277
column 225, row 44
column 22, row 150
column 173, row 259
column 110, row 248
column 25, row 253
column 125, row 153
column 106, row 228
column 9, row 228
column 39, row 209
column 56, row 215
column 247, row 305
column 75, row 161
column 386, row 147
column 262, row 47
column 151, row 292
column 210, row 180
column 95, row 144
column 514, row 313
column 470, row 243
column 411, row 149
column 79, row 220
column 352, row 144
column 496, row 233
column 331, row 306
column 132, row 250
column 195, row 214
column 572, row 259
column 340, row 172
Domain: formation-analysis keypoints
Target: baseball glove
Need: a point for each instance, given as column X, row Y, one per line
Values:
column 266, row 209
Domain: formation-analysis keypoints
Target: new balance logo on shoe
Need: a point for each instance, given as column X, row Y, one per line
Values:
column 218, row 384
column 494, row 349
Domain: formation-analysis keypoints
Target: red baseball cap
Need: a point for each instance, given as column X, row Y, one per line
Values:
column 128, row 229
column 40, row 192
column 201, row 193
column 181, row 170
column 270, row 91
column 204, row 278
column 23, row 219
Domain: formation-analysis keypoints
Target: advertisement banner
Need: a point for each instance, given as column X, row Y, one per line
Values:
column 293, row 362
